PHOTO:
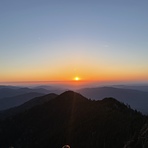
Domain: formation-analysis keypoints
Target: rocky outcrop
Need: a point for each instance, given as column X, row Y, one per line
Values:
column 140, row 140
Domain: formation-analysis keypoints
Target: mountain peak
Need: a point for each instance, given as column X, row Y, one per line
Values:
column 76, row 120
column 71, row 95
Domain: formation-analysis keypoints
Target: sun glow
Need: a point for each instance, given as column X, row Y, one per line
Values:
column 76, row 78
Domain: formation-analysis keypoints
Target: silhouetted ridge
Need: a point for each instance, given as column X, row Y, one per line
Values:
column 72, row 119
column 136, row 99
column 27, row 105
column 113, row 101
column 71, row 95
column 114, row 105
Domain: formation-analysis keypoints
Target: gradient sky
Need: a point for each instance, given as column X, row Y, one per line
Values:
column 57, row 40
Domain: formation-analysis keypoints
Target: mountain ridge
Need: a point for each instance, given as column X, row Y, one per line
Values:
column 27, row 105
column 72, row 119
column 135, row 98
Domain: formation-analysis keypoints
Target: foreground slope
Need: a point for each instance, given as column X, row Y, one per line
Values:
column 72, row 119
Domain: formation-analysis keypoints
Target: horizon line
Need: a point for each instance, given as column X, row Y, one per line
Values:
column 73, row 81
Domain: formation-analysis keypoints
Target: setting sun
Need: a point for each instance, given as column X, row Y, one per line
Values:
column 76, row 78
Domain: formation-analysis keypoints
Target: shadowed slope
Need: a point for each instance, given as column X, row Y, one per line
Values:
column 72, row 119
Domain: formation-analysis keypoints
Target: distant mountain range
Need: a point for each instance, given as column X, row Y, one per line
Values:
column 10, row 102
column 11, row 96
column 134, row 87
column 72, row 119
column 135, row 98
column 27, row 105
column 11, row 91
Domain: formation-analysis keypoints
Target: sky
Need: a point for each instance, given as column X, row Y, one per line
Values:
column 58, row 40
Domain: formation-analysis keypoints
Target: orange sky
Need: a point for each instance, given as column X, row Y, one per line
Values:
column 58, row 41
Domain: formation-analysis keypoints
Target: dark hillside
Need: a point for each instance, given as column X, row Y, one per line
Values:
column 72, row 119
